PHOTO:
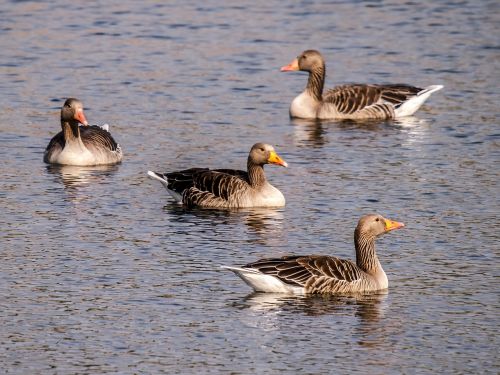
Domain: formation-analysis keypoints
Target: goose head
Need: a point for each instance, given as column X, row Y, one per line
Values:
column 308, row 61
column 72, row 112
column 262, row 153
column 374, row 225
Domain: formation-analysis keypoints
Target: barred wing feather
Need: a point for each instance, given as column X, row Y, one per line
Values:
column 216, row 188
column 306, row 271
column 96, row 137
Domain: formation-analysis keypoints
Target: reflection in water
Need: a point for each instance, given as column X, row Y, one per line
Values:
column 265, row 223
column 368, row 307
column 179, row 212
column 368, row 124
column 73, row 176
column 409, row 122
column 415, row 129
column 308, row 132
column 272, row 311
column 259, row 219
column 264, row 220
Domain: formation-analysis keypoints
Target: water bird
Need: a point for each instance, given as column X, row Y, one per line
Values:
column 323, row 274
column 351, row 101
column 227, row 188
column 84, row 145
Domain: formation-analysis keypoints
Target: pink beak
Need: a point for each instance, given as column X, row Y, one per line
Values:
column 81, row 117
column 294, row 65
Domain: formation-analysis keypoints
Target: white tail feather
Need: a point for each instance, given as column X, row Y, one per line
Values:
column 263, row 283
column 412, row 105
column 158, row 177
column 164, row 181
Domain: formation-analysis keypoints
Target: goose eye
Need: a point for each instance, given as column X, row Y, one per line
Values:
column 261, row 149
column 377, row 219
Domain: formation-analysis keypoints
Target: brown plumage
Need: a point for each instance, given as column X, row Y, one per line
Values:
column 356, row 101
column 81, row 145
column 226, row 188
column 320, row 274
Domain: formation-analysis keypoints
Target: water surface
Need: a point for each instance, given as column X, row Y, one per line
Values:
column 102, row 273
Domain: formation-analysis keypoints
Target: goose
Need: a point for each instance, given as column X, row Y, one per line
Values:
column 81, row 145
column 323, row 274
column 351, row 101
column 227, row 188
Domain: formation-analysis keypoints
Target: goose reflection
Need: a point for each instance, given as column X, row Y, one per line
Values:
column 264, row 220
column 416, row 130
column 308, row 132
column 74, row 176
column 265, row 223
column 410, row 122
column 313, row 132
column 368, row 307
column 179, row 213
column 259, row 219
column 272, row 313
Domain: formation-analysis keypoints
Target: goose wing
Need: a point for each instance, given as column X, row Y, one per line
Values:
column 216, row 188
column 57, row 142
column 397, row 93
column 96, row 137
column 352, row 98
column 196, row 177
column 349, row 99
column 179, row 181
column 313, row 272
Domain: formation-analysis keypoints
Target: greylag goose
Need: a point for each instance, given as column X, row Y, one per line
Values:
column 322, row 274
column 81, row 145
column 227, row 188
column 354, row 101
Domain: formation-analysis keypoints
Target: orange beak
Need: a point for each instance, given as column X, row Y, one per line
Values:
column 391, row 225
column 275, row 159
column 81, row 117
column 294, row 65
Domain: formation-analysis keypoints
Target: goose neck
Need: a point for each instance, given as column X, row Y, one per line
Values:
column 71, row 131
column 256, row 174
column 316, row 82
column 366, row 257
